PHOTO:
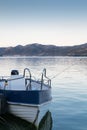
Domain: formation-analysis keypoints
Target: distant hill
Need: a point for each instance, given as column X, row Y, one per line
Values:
column 44, row 50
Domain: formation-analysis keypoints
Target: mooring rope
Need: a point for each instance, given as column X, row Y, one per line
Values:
column 61, row 72
column 3, row 121
column 36, row 117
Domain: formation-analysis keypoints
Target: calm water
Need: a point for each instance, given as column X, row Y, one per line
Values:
column 69, row 86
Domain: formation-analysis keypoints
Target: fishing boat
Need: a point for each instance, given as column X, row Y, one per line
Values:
column 26, row 97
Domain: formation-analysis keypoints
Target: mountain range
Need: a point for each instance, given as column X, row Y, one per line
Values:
column 36, row 49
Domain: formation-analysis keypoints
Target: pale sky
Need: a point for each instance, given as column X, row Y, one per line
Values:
column 57, row 22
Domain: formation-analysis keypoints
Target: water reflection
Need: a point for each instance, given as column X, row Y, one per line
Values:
column 46, row 122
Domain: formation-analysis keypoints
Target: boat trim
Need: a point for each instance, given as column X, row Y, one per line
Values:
column 30, row 105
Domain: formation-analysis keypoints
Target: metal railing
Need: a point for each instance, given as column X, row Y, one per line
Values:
column 28, row 78
column 44, row 77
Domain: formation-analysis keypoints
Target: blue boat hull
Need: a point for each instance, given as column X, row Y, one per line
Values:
column 27, row 97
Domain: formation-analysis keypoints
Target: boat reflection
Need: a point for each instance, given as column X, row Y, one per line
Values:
column 46, row 122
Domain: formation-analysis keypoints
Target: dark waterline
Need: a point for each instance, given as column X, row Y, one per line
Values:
column 11, row 122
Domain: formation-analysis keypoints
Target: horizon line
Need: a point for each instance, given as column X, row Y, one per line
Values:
column 43, row 44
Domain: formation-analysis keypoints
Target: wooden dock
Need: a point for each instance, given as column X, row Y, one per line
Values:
column 3, row 104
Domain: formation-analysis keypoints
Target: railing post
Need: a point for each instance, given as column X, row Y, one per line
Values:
column 30, row 81
column 44, row 74
column 41, row 81
column 29, row 75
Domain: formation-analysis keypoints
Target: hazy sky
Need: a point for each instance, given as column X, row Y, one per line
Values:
column 59, row 22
